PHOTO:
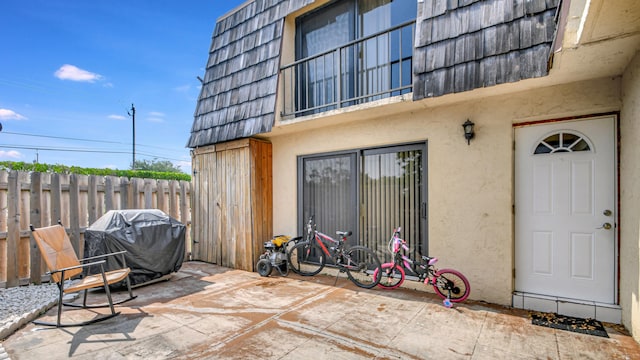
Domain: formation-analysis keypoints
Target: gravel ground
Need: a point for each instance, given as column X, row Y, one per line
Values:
column 19, row 305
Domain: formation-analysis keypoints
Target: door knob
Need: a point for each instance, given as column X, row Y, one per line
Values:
column 607, row 212
column 605, row 226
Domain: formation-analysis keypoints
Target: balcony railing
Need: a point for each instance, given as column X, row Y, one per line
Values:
column 364, row 70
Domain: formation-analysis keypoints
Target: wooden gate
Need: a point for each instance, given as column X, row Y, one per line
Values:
column 232, row 202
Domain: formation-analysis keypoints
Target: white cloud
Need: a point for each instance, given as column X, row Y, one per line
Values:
column 183, row 88
column 73, row 73
column 183, row 165
column 117, row 117
column 156, row 117
column 6, row 114
column 11, row 154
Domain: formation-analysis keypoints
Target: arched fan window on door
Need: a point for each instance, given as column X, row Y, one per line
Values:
column 562, row 141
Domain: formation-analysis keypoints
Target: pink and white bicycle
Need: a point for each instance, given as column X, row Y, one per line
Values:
column 449, row 284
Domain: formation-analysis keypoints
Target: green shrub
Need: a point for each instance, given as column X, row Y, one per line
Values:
column 63, row 169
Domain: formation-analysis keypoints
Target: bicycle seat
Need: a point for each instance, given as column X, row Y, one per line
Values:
column 429, row 260
column 344, row 233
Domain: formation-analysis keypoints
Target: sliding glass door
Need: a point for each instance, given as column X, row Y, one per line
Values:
column 328, row 185
column 370, row 192
column 393, row 194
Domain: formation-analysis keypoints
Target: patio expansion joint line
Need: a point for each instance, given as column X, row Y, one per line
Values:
column 555, row 336
column 413, row 318
column 362, row 346
column 374, row 350
column 475, row 343
column 321, row 294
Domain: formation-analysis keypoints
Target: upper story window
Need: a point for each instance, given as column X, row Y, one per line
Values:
column 350, row 52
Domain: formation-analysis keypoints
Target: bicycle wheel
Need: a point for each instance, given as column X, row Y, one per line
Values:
column 451, row 284
column 362, row 266
column 305, row 259
column 392, row 276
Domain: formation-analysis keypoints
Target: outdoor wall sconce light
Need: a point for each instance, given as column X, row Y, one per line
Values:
column 468, row 131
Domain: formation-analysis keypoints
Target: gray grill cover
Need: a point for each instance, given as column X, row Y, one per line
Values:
column 153, row 240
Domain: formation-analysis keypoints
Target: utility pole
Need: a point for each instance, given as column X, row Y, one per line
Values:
column 132, row 113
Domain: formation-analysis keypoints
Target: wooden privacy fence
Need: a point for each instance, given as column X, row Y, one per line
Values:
column 42, row 199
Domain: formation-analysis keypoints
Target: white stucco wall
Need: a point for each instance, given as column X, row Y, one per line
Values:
column 630, row 198
column 470, row 187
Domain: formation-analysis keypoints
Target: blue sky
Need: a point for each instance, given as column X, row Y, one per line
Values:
column 70, row 71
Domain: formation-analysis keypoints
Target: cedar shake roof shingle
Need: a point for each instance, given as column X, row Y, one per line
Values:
column 463, row 45
column 460, row 45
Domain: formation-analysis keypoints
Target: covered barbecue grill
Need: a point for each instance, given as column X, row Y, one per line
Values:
column 154, row 242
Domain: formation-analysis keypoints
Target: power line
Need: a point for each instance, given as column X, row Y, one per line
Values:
column 26, row 147
column 63, row 138
column 80, row 139
column 82, row 150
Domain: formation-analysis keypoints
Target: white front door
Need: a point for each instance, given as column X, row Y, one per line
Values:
column 565, row 206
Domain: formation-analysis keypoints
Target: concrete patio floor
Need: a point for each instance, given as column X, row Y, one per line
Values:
column 210, row 312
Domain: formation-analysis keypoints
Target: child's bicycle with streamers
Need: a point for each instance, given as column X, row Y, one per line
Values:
column 449, row 284
column 310, row 256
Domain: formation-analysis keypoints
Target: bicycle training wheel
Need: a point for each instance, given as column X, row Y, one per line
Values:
column 305, row 259
column 451, row 284
column 362, row 266
column 392, row 276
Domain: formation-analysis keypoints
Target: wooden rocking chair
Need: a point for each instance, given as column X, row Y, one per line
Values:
column 63, row 264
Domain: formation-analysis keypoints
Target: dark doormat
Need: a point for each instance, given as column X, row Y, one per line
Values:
column 562, row 322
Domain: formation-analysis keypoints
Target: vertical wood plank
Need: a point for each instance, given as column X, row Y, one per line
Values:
column 4, row 175
column 254, row 210
column 23, row 241
column 13, row 229
column 83, row 201
column 148, row 193
column 224, row 235
column 99, row 196
column 92, row 199
column 56, row 199
column 161, row 196
column 174, row 210
column 3, row 225
column 134, row 193
column 218, row 204
column 193, row 231
column 124, row 194
column 196, row 231
column 35, row 219
column 184, row 203
column 64, row 199
column 184, row 216
column 108, row 193
column 74, row 215
column 45, row 200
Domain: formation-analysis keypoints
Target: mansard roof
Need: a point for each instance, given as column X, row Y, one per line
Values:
column 460, row 45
